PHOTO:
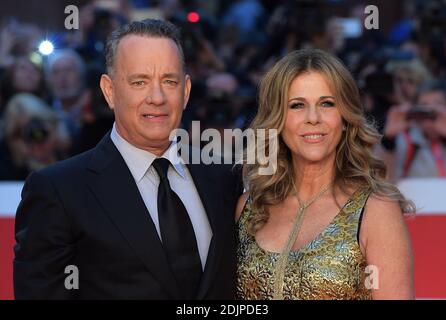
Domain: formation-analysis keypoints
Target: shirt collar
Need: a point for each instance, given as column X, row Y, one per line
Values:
column 139, row 161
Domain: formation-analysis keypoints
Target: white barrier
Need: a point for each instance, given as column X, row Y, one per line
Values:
column 428, row 194
column 9, row 197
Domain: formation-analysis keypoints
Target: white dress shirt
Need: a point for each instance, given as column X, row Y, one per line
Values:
column 139, row 163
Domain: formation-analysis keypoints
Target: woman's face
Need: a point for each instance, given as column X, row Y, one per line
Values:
column 313, row 124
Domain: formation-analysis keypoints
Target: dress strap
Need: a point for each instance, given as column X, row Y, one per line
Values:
column 242, row 223
column 354, row 211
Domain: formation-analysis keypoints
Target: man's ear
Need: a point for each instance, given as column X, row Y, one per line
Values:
column 187, row 87
column 106, row 85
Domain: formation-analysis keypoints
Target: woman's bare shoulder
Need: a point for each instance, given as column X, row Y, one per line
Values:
column 383, row 218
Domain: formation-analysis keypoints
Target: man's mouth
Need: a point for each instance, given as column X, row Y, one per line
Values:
column 153, row 115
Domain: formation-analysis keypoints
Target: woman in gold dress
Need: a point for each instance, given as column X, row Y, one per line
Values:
column 325, row 224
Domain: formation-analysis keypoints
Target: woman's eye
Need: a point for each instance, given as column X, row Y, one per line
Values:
column 328, row 104
column 297, row 105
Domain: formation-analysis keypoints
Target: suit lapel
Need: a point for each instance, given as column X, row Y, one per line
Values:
column 211, row 200
column 115, row 189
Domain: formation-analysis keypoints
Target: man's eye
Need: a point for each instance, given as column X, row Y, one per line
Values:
column 138, row 83
column 170, row 82
column 297, row 105
column 328, row 104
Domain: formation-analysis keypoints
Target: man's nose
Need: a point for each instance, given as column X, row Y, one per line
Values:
column 156, row 95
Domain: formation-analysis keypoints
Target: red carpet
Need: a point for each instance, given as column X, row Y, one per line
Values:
column 429, row 245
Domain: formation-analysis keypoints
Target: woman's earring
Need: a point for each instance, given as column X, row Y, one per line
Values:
column 344, row 128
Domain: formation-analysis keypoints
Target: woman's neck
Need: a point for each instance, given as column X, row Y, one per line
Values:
column 310, row 178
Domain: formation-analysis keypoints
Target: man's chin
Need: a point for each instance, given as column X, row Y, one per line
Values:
column 155, row 139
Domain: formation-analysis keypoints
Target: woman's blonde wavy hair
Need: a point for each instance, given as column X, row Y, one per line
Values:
column 355, row 165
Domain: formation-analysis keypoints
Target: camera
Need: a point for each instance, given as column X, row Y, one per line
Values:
column 418, row 113
column 35, row 131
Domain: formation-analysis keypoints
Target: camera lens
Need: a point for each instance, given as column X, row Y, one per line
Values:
column 35, row 131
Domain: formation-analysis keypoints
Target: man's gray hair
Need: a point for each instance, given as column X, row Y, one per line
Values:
column 149, row 28
column 67, row 53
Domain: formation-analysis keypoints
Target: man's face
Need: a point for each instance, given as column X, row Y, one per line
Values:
column 65, row 78
column 148, row 91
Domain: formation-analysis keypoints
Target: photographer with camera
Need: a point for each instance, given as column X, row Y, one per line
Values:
column 414, row 140
column 34, row 137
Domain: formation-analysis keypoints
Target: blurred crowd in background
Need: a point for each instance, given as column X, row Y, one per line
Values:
column 51, row 106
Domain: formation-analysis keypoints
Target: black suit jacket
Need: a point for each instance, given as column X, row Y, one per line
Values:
column 87, row 211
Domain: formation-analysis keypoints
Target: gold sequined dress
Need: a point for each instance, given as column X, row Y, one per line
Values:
column 329, row 267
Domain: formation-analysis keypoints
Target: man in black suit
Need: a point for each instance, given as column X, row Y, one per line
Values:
column 130, row 216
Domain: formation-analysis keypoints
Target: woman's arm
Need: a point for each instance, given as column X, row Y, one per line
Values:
column 385, row 240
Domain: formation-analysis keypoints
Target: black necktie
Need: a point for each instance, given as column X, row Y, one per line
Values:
column 177, row 235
